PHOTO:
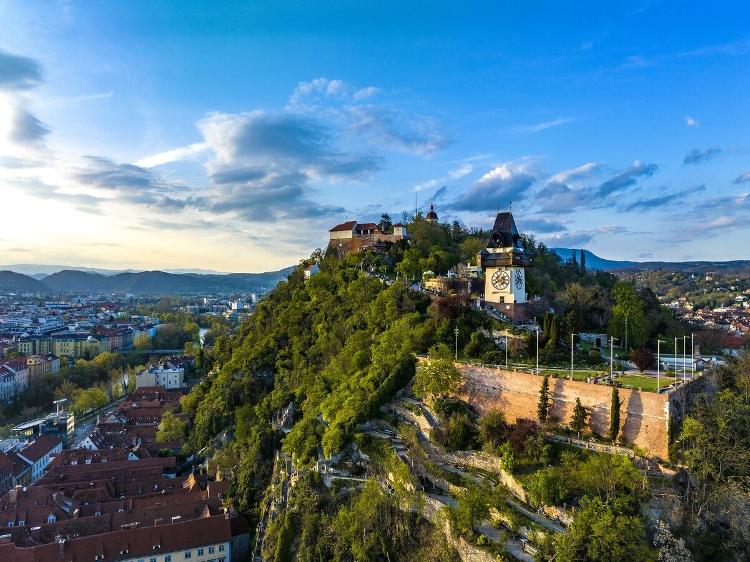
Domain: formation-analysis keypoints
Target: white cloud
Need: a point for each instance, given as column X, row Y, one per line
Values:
column 577, row 173
column 463, row 170
column 543, row 126
column 691, row 121
column 173, row 155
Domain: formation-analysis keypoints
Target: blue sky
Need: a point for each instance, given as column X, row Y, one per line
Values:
column 231, row 137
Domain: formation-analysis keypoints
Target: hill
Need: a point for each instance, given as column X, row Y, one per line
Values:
column 41, row 270
column 13, row 282
column 159, row 282
column 602, row 264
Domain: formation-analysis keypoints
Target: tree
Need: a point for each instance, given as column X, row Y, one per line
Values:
column 386, row 224
column 89, row 399
column 671, row 549
column 642, row 357
column 542, row 409
column 472, row 508
column 142, row 341
column 493, row 428
column 578, row 422
column 600, row 532
column 627, row 313
column 171, row 428
column 436, row 377
column 551, row 332
column 614, row 414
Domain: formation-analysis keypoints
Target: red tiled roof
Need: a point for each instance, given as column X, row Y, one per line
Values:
column 344, row 226
column 368, row 226
column 171, row 537
column 40, row 447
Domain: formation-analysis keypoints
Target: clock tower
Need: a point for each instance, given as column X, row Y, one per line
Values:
column 504, row 262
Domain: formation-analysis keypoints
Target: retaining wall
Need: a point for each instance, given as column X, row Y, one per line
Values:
column 644, row 416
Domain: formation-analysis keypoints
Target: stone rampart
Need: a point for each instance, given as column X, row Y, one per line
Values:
column 644, row 416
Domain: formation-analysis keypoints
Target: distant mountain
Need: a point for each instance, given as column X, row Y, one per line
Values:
column 41, row 270
column 160, row 282
column 595, row 262
column 13, row 282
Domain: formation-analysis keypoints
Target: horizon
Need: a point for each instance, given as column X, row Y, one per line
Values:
column 153, row 137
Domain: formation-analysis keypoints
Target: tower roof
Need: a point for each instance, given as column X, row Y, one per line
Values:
column 432, row 215
column 504, row 233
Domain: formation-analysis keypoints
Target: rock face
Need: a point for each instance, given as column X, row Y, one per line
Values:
column 645, row 416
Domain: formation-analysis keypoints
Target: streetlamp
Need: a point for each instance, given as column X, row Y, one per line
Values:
column 658, row 363
column 537, row 350
column 455, row 331
column 684, row 359
column 572, row 336
column 676, row 372
column 611, row 357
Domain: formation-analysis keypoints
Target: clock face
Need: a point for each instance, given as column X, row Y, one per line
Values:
column 500, row 280
column 519, row 279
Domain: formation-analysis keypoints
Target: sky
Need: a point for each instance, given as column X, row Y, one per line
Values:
column 231, row 136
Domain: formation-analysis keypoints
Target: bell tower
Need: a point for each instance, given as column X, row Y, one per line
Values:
column 504, row 262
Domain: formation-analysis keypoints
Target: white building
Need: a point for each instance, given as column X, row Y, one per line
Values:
column 39, row 453
column 170, row 377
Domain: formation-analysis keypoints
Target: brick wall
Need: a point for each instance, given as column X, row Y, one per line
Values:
column 644, row 416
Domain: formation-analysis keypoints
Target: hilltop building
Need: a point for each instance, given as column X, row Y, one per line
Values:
column 354, row 236
column 504, row 262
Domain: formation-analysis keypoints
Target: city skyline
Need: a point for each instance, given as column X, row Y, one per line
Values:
column 170, row 136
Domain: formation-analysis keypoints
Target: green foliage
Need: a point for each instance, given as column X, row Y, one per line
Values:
column 171, row 428
column 89, row 399
column 546, row 487
column 436, row 377
column 628, row 308
column 600, row 532
column 479, row 345
column 578, row 421
column 542, row 408
column 493, row 429
column 472, row 508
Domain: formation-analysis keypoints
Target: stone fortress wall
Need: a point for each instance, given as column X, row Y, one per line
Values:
column 644, row 416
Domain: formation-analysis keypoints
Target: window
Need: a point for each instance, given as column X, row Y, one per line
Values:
column 221, row 548
column 188, row 555
column 210, row 549
column 51, row 518
column 152, row 559
column 168, row 558
column 222, row 559
column 200, row 552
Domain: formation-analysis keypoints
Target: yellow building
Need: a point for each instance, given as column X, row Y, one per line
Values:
column 77, row 345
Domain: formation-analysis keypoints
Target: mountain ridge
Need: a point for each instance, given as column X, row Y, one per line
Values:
column 594, row 261
column 143, row 282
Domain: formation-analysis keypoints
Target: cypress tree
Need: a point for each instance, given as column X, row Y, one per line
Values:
column 583, row 262
column 542, row 409
column 614, row 414
column 579, row 417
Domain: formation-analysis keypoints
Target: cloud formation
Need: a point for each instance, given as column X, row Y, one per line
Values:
column 626, row 178
column 544, row 125
column 698, row 156
column 18, row 72
column 504, row 183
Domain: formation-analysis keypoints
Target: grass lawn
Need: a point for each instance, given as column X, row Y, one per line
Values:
column 577, row 375
column 643, row 382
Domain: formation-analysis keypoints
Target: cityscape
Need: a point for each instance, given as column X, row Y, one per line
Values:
column 363, row 283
